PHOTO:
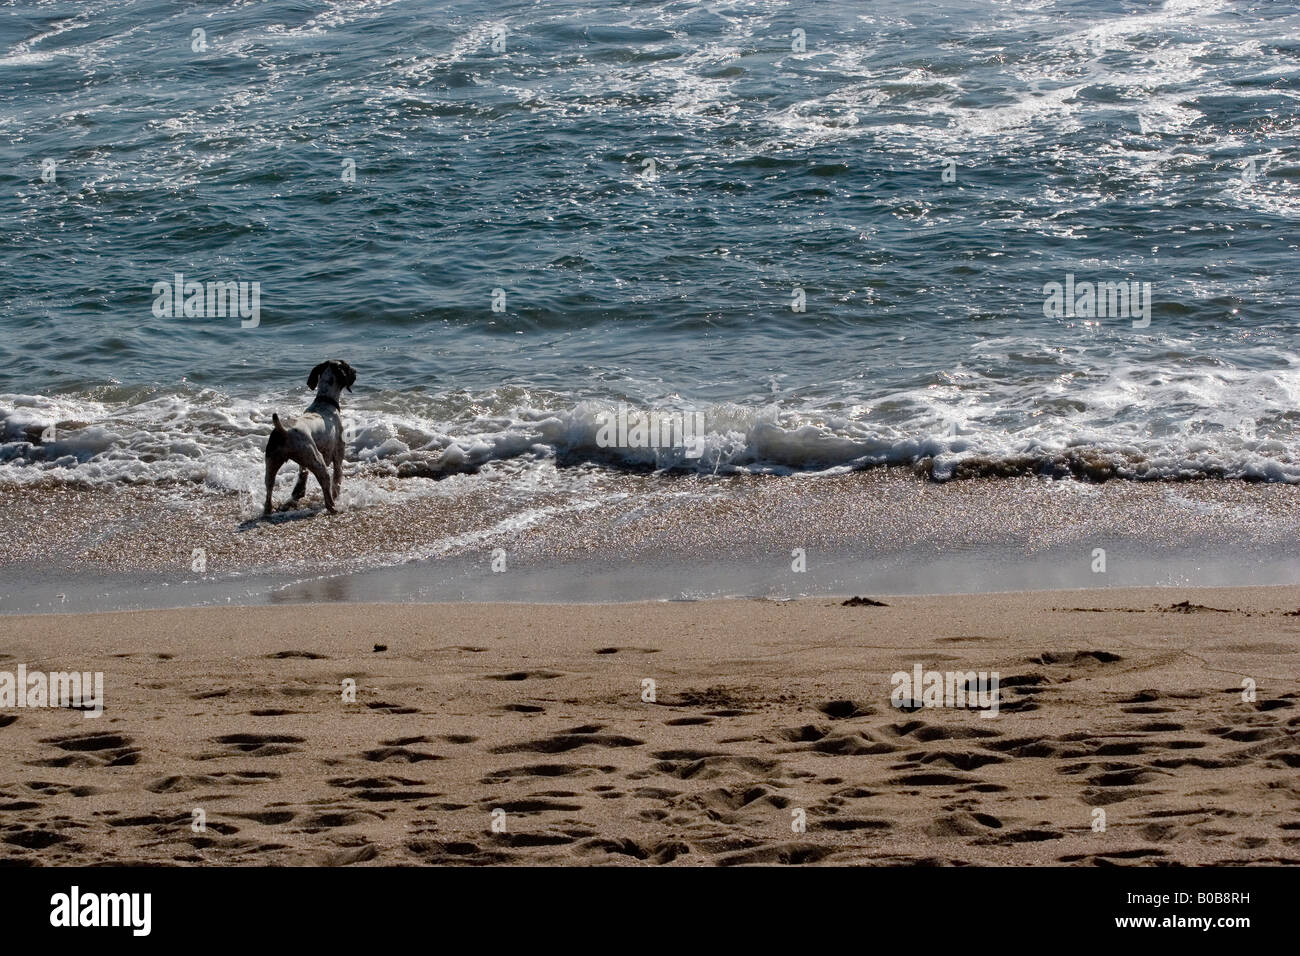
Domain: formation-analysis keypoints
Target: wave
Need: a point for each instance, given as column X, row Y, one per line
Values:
column 215, row 442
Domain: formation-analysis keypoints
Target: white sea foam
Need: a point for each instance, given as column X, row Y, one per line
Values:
column 1136, row 422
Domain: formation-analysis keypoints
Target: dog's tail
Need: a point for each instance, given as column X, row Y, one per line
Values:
column 275, row 420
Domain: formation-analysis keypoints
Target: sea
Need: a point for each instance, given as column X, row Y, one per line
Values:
column 968, row 241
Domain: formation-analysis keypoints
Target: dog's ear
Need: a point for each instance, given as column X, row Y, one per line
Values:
column 314, row 377
column 349, row 375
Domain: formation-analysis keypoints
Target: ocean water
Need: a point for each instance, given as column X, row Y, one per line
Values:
column 827, row 228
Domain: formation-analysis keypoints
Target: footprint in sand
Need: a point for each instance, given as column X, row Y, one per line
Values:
column 656, row 853
column 254, row 745
column 183, row 782
column 786, row 854
column 348, row 855
column 398, row 755
column 549, row 770
column 525, row 675
column 455, row 852
column 845, row 709
column 91, row 750
column 388, row 708
column 385, row 789
column 573, row 739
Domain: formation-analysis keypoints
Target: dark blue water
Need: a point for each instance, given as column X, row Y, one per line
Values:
column 1147, row 142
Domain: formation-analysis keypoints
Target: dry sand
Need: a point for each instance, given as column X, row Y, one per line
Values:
column 1120, row 701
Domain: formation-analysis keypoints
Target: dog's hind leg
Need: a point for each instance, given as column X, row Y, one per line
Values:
column 277, row 454
column 273, row 463
column 313, row 462
column 338, row 471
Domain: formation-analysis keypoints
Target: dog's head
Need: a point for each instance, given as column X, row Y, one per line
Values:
column 333, row 376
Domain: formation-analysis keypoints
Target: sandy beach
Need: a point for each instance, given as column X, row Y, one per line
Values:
column 1121, row 738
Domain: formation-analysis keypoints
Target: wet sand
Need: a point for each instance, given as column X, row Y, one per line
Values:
column 1126, row 703
column 591, row 534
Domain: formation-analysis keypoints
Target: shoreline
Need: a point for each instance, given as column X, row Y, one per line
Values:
column 1124, row 700
column 593, row 584
column 590, row 535
column 886, row 596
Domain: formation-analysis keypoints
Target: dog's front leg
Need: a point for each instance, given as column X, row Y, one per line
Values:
column 338, row 472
